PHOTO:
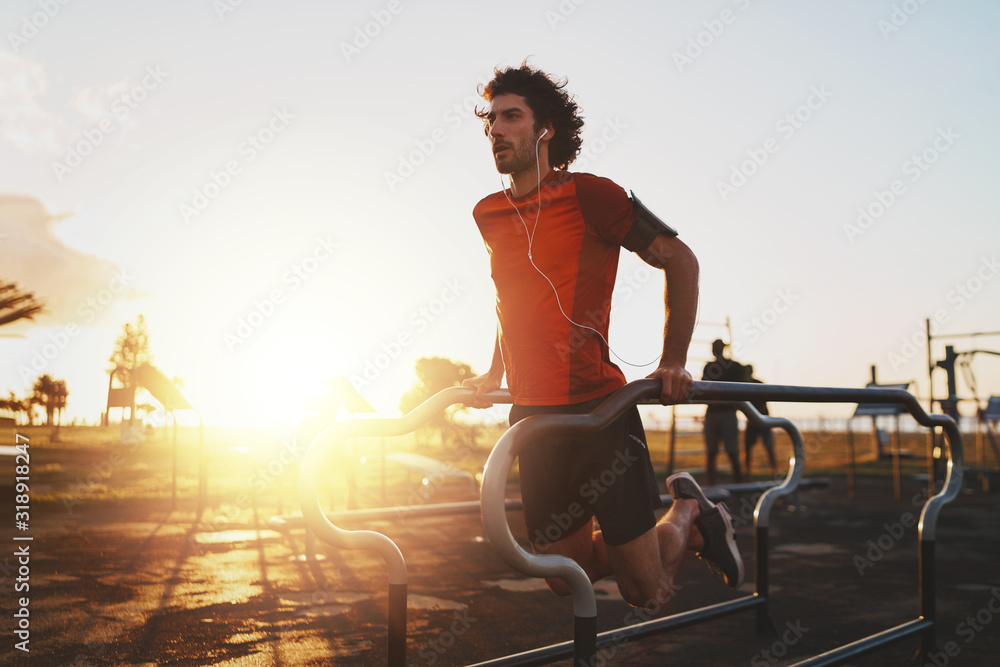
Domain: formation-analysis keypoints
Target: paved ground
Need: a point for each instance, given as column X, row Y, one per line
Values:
column 124, row 580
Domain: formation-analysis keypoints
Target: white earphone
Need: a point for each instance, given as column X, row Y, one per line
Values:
column 531, row 238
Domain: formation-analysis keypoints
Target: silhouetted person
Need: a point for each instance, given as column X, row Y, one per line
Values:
column 752, row 432
column 720, row 420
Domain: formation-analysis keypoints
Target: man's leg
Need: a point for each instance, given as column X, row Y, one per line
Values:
column 731, row 441
column 646, row 568
column 768, row 440
column 734, row 458
column 711, row 447
column 586, row 547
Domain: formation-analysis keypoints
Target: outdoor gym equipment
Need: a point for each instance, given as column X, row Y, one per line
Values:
column 584, row 645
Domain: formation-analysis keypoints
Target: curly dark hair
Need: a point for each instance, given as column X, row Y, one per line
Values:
column 549, row 103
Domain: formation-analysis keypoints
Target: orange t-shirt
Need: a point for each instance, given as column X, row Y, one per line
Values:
column 584, row 219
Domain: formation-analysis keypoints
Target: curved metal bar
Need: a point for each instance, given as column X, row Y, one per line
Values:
column 762, row 513
column 643, row 391
column 331, row 437
column 735, row 391
column 647, row 391
column 498, row 467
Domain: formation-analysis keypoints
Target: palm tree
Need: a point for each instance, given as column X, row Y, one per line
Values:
column 14, row 405
column 16, row 304
column 50, row 394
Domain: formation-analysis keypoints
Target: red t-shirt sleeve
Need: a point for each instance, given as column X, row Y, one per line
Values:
column 606, row 208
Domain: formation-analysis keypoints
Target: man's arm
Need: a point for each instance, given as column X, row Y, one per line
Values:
column 680, row 268
column 489, row 381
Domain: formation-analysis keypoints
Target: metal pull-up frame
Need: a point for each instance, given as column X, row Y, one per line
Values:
column 585, row 642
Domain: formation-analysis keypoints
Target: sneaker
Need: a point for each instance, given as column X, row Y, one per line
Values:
column 716, row 527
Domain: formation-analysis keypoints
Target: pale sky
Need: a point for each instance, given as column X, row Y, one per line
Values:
column 288, row 199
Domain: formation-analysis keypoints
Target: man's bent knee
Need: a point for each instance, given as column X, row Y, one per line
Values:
column 632, row 594
column 647, row 595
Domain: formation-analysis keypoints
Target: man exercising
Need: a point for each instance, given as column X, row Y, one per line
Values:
column 553, row 239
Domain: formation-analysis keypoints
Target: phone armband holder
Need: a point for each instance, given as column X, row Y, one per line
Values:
column 646, row 226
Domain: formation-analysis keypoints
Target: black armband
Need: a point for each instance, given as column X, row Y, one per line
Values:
column 645, row 227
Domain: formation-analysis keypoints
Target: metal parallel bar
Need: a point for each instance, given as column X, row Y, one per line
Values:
column 751, row 487
column 735, row 391
column 642, row 391
column 504, row 453
column 584, row 639
column 397, row 625
column 762, row 581
column 928, row 601
column 409, row 511
column 618, row 636
column 311, row 469
column 681, row 620
column 870, row 644
column 282, row 523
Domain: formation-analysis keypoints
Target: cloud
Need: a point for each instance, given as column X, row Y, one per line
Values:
column 23, row 121
column 62, row 277
column 29, row 126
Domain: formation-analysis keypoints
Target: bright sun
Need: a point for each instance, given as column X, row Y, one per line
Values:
column 289, row 375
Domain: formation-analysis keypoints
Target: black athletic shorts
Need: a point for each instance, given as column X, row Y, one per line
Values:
column 566, row 480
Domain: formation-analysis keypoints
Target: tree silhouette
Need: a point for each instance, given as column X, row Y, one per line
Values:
column 433, row 375
column 16, row 304
column 16, row 405
column 11, row 405
column 131, row 351
column 50, row 394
